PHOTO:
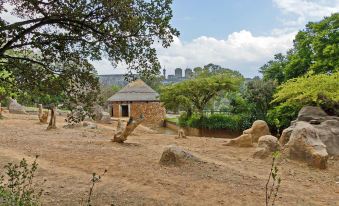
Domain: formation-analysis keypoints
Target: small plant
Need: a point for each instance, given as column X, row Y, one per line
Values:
column 273, row 182
column 18, row 187
column 95, row 179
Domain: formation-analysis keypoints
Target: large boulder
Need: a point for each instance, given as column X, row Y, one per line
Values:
column 327, row 127
column 285, row 136
column 266, row 146
column 328, row 132
column 259, row 128
column 15, row 108
column 105, row 118
column 244, row 140
column 174, row 155
column 305, row 145
column 97, row 111
column 309, row 113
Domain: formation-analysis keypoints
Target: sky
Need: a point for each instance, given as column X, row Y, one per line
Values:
column 238, row 34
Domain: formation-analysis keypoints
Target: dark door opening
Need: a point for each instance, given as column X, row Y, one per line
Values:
column 124, row 111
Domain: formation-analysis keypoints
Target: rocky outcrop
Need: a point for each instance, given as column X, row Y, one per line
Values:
column 15, row 108
column 259, row 128
column 244, row 140
column 326, row 127
column 328, row 132
column 305, row 144
column 97, row 112
column 174, row 155
column 266, row 146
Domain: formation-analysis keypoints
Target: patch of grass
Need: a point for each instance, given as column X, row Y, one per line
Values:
column 173, row 120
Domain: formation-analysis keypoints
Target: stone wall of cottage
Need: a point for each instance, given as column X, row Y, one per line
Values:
column 154, row 112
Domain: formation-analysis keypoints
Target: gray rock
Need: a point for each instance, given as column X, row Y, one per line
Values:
column 15, row 108
column 305, row 145
column 106, row 118
column 174, row 155
column 266, row 146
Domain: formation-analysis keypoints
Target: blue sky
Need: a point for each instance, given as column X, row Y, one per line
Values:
column 238, row 34
column 218, row 18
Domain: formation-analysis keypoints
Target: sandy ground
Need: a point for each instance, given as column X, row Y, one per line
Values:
column 230, row 176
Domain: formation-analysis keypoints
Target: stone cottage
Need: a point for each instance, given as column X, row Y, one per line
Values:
column 135, row 99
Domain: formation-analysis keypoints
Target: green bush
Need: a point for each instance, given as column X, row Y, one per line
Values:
column 217, row 121
column 19, row 188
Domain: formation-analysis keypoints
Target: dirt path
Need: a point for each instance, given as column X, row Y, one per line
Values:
column 68, row 157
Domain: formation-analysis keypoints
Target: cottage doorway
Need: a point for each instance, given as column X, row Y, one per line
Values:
column 124, row 111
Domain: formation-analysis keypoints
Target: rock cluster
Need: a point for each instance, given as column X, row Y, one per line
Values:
column 312, row 137
column 259, row 128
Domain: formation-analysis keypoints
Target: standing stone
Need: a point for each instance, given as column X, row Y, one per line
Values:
column 181, row 134
column 15, row 108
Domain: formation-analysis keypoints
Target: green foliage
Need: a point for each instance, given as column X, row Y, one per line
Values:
column 280, row 116
column 316, row 49
column 195, row 93
column 321, row 90
column 273, row 182
column 19, row 187
column 216, row 121
column 106, row 92
column 260, row 93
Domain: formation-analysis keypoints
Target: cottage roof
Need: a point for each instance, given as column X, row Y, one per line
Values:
column 135, row 91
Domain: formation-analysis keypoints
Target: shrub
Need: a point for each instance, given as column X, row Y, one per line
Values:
column 217, row 121
column 19, row 187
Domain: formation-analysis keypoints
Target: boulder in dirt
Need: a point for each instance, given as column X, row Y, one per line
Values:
column 174, row 155
column 305, row 145
column 244, row 140
column 105, row 118
column 259, row 128
column 89, row 125
column 97, row 111
column 15, row 108
column 266, row 146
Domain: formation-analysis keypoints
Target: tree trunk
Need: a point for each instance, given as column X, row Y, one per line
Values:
column 121, row 133
column 52, row 121
column 0, row 112
column 43, row 116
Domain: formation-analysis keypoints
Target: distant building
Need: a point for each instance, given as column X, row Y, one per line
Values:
column 112, row 79
column 136, row 99
column 188, row 73
column 178, row 73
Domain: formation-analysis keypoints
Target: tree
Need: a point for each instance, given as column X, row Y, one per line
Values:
column 274, row 69
column 320, row 90
column 316, row 49
column 260, row 93
column 197, row 92
column 64, row 35
column 106, row 92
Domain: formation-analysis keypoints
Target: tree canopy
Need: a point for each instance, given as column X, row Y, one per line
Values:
column 51, row 43
column 195, row 93
column 316, row 48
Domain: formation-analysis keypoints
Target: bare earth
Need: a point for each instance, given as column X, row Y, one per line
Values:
column 68, row 157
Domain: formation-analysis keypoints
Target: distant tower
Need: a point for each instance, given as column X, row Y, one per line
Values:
column 164, row 73
column 178, row 73
column 188, row 73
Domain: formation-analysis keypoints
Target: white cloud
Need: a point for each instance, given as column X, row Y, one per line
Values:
column 240, row 50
